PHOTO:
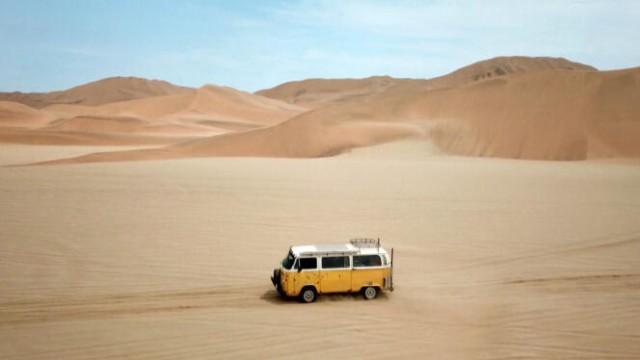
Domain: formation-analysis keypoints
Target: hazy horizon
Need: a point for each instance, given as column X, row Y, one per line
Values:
column 254, row 45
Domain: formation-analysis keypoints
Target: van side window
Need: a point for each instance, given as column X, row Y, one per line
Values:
column 335, row 262
column 366, row 260
column 308, row 263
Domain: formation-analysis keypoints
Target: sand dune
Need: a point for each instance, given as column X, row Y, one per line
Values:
column 552, row 114
column 509, row 107
column 301, row 139
column 503, row 66
column 99, row 92
column 315, row 93
column 19, row 115
column 547, row 114
column 208, row 102
column 224, row 103
column 203, row 112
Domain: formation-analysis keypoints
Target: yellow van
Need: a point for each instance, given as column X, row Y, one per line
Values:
column 362, row 265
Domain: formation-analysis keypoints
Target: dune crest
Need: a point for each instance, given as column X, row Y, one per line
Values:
column 99, row 92
column 314, row 93
column 504, row 66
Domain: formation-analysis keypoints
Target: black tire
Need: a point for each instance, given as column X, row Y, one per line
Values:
column 308, row 294
column 370, row 292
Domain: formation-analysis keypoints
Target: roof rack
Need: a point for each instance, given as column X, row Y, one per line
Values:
column 326, row 249
column 365, row 242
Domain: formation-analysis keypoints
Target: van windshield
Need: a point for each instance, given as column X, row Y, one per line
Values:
column 288, row 261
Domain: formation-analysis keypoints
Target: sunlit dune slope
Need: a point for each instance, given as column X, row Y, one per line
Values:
column 546, row 115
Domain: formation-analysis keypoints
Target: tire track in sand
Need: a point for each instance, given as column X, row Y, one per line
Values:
column 71, row 308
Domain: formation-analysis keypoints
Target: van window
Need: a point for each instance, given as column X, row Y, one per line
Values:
column 366, row 260
column 334, row 262
column 288, row 261
column 308, row 263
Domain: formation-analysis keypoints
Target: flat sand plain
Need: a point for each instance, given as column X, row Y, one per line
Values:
column 171, row 259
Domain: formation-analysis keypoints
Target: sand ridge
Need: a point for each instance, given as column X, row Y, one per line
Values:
column 507, row 107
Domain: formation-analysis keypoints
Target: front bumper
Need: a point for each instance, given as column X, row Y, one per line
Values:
column 275, row 277
column 276, row 280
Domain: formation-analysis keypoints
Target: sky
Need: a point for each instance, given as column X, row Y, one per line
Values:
column 251, row 45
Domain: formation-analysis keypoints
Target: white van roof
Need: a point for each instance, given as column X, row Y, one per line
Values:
column 334, row 249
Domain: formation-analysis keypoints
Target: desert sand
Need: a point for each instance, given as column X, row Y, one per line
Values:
column 171, row 259
column 509, row 189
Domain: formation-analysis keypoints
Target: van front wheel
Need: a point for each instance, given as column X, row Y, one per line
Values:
column 370, row 293
column 308, row 295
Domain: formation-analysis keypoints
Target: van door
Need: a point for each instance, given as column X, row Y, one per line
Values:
column 336, row 274
column 307, row 273
column 367, row 271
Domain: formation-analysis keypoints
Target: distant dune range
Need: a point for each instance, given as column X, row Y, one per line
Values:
column 99, row 92
column 156, row 119
column 313, row 93
column 512, row 107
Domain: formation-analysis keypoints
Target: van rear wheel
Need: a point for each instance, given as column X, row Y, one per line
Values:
column 370, row 293
column 308, row 295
